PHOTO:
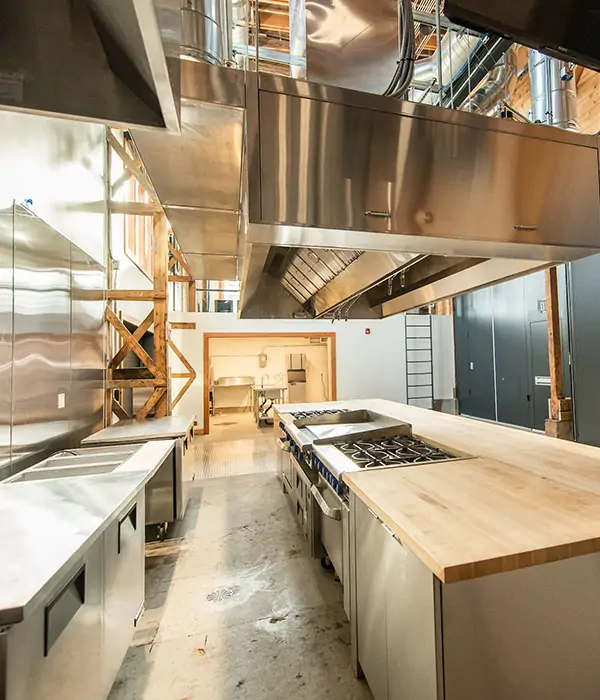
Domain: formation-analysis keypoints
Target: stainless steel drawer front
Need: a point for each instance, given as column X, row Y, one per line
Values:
column 63, row 609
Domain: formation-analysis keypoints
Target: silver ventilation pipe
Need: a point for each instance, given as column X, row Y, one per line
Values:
column 205, row 32
column 553, row 97
column 455, row 49
column 496, row 87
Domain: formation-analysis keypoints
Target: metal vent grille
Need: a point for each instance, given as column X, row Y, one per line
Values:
column 310, row 269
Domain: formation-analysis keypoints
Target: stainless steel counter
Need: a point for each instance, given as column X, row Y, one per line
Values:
column 126, row 431
column 47, row 524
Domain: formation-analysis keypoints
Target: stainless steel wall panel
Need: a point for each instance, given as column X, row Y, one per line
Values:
column 42, row 344
column 6, row 337
column 59, row 165
column 86, row 391
column 333, row 166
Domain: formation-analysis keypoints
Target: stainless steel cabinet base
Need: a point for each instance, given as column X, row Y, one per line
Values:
column 123, row 544
column 72, row 645
column 522, row 635
column 56, row 654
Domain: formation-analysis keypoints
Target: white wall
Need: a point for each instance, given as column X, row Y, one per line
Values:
column 368, row 365
column 128, row 274
column 231, row 357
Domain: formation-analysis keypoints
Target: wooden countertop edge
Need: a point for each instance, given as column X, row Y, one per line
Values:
column 465, row 571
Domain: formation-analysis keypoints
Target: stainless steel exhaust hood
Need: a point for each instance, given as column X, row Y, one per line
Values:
column 403, row 203
column 114, row 61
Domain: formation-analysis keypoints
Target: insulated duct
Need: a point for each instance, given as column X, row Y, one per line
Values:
column 456, row 47
column 553, row 97
column 496, row 87
column 484, row 58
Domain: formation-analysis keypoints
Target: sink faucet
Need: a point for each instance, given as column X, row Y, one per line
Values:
column 262, row 380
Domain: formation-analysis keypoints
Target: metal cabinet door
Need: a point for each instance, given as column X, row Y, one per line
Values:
column 185, row 450
column 372, row 567
column 369, row 170
column 123, row 585
column 411, row 628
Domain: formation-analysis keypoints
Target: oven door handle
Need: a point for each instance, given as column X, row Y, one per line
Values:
column 327, row 510
column 284, row 445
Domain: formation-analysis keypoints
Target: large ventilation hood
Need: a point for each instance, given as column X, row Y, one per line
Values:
column 382, row 205
column 114, row 61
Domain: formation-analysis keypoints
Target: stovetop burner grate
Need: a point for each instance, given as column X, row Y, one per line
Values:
column 323, row 412
column 369, row 454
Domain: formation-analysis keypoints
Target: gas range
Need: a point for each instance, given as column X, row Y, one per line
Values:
column 333, row 460
column 391, row 452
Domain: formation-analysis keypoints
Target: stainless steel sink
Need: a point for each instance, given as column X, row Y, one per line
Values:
column 38, row 474
column 88, row 456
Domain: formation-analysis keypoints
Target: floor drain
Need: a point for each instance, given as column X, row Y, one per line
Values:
column 222, row 593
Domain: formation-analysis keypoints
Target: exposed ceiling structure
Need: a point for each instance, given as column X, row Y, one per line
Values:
column 323, row 200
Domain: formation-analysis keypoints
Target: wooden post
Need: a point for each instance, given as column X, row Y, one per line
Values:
column 192, row 298
column 554, row 347
column 160, row 271
column 560, row 422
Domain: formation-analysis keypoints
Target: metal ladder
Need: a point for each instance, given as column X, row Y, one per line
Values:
column 419, row 360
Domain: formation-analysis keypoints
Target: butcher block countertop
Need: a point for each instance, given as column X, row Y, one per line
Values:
column 523, row 500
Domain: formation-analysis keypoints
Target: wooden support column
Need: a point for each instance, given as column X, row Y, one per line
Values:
column 560, row 421
column 160, row 271
column 192, row 297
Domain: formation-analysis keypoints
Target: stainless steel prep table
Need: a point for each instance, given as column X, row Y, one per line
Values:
column 167, row 495
column 72, row 578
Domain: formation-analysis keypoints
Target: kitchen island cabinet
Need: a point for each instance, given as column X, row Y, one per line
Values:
column 520, row 635
column 477, row 577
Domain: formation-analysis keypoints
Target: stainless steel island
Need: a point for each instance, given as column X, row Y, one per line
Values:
column 72, row 578
column 167, row 495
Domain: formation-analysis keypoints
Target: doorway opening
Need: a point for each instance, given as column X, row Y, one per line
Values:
column 245, row 372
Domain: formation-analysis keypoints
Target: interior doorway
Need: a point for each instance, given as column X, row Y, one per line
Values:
column 243, row 369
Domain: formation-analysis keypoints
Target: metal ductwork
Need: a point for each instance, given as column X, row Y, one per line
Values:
column 355, row 45
column 455, row 49
column 349, row 203
column 115, row 62
column 553, row 98
column 488, row 53
column 205, row 30
column 496, row 87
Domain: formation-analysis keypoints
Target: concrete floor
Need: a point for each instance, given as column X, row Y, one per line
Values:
column 235, row 608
